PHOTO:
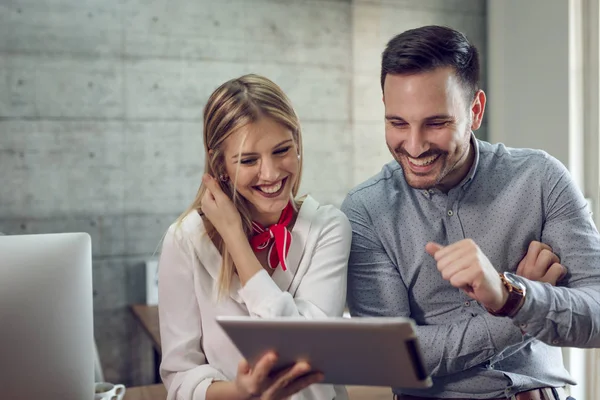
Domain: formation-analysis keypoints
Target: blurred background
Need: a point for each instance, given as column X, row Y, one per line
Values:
column 101, row 114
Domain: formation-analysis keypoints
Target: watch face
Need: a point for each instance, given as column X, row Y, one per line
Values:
column 514, row 282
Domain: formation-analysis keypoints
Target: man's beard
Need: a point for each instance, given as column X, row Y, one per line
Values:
column 443, row 157
column 412, row 178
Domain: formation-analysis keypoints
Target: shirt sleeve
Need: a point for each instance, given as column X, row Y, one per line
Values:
column 568, row 314
column 184, row 369
column 322, row 291
column 375, row 288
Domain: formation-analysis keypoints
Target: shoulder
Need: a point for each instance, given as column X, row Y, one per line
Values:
column 498, row 152
column 377, row 192
column 325, row 217
column 186, row 230
column 521, row 162
column 376, row 185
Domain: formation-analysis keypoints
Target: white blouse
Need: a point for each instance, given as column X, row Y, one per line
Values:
column 195, row 350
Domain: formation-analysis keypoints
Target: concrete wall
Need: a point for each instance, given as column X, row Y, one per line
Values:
column 100, row 117
column 529, row 75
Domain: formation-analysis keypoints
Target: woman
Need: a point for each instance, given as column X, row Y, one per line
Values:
column 247, row 246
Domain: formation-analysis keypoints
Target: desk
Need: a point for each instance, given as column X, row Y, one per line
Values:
column 147, row 316
column 158, row 392
column 152, row 392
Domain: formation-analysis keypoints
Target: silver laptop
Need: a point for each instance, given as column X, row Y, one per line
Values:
column 46, row 317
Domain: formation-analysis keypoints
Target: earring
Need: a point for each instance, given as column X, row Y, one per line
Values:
column 298, row 156
column 223, row 178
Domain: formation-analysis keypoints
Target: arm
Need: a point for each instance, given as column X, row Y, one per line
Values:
column 566, row 315
column 184, row 369
column 375, row 288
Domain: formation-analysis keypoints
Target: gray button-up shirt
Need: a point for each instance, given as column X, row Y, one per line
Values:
column 509, row 198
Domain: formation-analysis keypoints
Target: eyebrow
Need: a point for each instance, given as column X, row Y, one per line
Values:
column 430, row 118
column 255, row 154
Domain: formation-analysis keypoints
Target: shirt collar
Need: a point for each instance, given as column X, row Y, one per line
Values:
column 469, row 177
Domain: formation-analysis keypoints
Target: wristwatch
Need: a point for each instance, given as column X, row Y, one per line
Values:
column 516, row 297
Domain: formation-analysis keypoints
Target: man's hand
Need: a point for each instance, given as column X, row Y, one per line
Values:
column 541, row 264
column 464, row 265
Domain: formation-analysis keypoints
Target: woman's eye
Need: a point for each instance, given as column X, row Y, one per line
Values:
column 248, row 161
column 282, row 150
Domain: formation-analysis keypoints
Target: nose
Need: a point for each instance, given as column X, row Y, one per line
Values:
column 416, row 143
column 269, row 170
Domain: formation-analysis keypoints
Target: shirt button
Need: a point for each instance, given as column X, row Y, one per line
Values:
column 467, row 304
column 555, row 341
column 523, row 326
column 426, row 193
column 450, row 213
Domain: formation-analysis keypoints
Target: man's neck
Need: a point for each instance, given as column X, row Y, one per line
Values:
column 462, row 168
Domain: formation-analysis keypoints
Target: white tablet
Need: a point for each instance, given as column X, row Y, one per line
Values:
column 349, row 351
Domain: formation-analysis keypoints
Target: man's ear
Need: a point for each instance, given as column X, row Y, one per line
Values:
column 477, row 109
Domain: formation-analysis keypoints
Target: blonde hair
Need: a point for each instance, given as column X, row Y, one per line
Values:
column 234, row 105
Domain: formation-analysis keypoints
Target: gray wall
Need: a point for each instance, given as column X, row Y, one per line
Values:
column 100, row 117
column 529, row 75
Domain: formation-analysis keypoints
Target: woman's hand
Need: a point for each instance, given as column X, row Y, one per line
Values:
column 219, row 209
column 260, row 383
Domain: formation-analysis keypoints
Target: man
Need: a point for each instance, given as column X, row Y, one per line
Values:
column 439, row 232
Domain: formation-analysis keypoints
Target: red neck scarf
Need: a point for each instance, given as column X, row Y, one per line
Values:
column 277, row 235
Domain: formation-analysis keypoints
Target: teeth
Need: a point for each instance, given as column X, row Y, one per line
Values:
column 271, row 189
column 421, row 162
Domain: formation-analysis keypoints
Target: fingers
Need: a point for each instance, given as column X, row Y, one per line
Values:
column 555, row 273
column 538, row 261
column 253, row 381
column 213, row 186
column 533, row 252
column 299, row 384
column 263, row 367
column 545, row 260
column 208, row 202
column 243, row 367
column 563, row 274
column 453, row 258
column 291, row 381
column 465, row 245
column 432, row 248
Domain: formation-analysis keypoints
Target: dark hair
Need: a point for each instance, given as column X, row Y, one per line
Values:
column 429, row 47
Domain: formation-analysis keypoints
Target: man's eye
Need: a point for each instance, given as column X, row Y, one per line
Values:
column 438, row 124
column 399, row 124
